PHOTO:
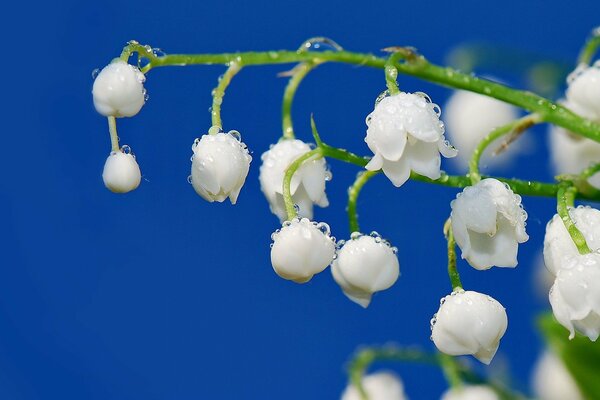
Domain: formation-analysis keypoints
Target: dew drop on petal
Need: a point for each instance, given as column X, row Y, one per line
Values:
column 95, row 73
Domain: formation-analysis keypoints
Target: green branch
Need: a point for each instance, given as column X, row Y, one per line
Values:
column 290, row 207
column 565, row 199
column 452, row 270
column 219, row 92
column 590, row 47
column 353, row 192
column 297, row 75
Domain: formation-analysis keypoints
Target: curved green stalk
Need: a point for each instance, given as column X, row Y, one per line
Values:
column 452, row 270
column 590, row 47
column 219, row 92
column 353, row 192
column 298, row 73
column 287, row 180
column 114, row 137
column 514, row 128
column 391, row 72
column 410, row 63
column 565, row 198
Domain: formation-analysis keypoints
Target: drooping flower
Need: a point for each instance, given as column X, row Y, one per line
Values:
column 469, row 117
column 558, row 245
column 488, row 223
column 469, row 323
column 575, row 295
column 552, row 381
column 378, row 386
column 301, row 249
column 405, row 133
column 118, row 90
column 307, row 185
column 121, row 172
column 583, row 90
column 471, row 392
column 220, row 164
column 365, row 265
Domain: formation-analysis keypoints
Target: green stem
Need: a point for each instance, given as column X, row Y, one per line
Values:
column 114, row 137
column 298, row 73
column 287, row 180
column 589, row 172
column 452, row 270
column 590, row 47
column 514, row 127
column 219, row 92
column 353, row 192
column 411, row 63
column 391, row 72
column 451, row 370
column 565, row 199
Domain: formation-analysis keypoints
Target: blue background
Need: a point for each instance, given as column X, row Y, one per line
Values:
column 160, row 295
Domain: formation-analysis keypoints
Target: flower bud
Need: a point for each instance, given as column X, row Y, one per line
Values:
column 379, row 386
column 558, row 245
column 220, row 165
column 552, row 380
column 470, row 117
column 469, row 323
column 575, row 295
column 583, row 91
column 301, row 249
column 365, row 265
column 470, row 392
column 405, row 133
column 307, row 185
column 488, row 223
column 121, row 172
column 118, row 90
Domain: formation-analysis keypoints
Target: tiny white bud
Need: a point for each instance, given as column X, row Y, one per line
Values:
column 379, row 386
column 301, row 249
column 118, row 90
column 469, row 323
column 470, row 392
column 365, row 265
column 121, row 172
column 552, row 380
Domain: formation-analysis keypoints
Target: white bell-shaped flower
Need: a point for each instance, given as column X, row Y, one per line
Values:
column 552, row 381
column 575, row 295
column 405, row 133
column 220, row 164
column 558, row 245
column 471, row 392
column 488, row 223
column 583, row 90
column 365, row 265
column 121, row 172
column 301, row 249
column 118, row 90
column 307, row 185
column 571, row 153
column 469, row 323
column 469, row 117
column 378, row 386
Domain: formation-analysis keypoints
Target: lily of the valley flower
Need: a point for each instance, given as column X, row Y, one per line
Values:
column 583, row 90
column 558, row 245
column 552, row 380
column 301, row 249
column 220, row 165
column 365, row 265
column 118, row 90
column 121, row 172
column 469, row 323
column 405, row 133
column 379, row 386
column 488, row 223
column 471, row 392
column 575, row 295
column 308, row 183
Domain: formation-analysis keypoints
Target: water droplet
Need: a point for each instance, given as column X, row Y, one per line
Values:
column 355, row 235
column 95, row 73
column 324, row 228
column 296, row 208
column 319, row 44
column 213, row 130
column 126, row 149
column 236, row 135
column 189, row 179
column 382, row 95
column 158, row 52
column 328, row 175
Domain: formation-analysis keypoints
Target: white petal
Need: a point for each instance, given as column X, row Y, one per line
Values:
column 397, row 171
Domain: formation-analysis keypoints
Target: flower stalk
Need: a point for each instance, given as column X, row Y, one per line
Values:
column 565, row 199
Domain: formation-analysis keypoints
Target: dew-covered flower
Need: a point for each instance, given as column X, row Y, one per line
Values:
column 307, row 185
column 469, row 323
column 405, row 133
column 365, row 265
column 301, row 249
column 552, row 381
column 469, row 117
column 583, row 90
column 121, row 172
column 118, row 90
column 488, row 223
column 575, row 295
column 220, row 164
column 378, row 386
column 471, row 392
column 558, row 245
